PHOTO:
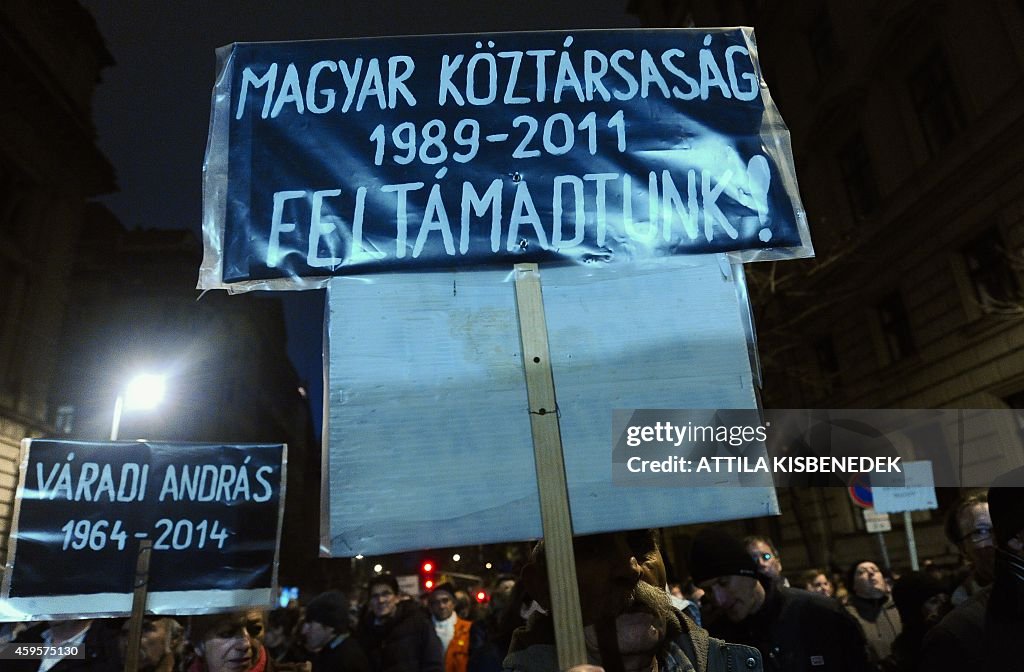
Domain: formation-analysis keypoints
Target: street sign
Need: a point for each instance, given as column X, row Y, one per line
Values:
column 918, row 493
column 860, row 491
column 876, row 521
column 211, row 511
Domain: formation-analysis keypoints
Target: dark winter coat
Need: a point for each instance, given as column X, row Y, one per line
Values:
column 687, row 648
column 100, row 644
column 406, row 642
column 983, row 633
column 798, row 631
column 345, row 656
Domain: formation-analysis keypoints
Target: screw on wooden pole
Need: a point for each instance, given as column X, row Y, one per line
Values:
column 141, row 590
column 551, row 482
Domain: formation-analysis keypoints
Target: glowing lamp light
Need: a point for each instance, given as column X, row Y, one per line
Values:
column 481, row 596
column 145, row 391
column 378, row 568
column 428, row 566
column 429, row 584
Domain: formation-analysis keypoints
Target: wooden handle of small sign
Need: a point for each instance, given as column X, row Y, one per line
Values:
column 551, row 483
column 141, row 590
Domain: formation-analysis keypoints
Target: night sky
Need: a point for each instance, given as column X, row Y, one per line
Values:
column 152, row 108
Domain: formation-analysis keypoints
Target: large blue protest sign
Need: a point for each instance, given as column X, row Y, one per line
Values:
column 339, row 157
column 428, row 439
column 211, row 511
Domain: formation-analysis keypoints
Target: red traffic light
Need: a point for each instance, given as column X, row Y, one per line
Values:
column 428, row 566
column 429, row 584
column 481, row 596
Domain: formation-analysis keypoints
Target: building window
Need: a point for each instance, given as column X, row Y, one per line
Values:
column 859, row 177
column 64, row 423
column 821, row 40
column 892, row 318
column 993, row 273
column 934, row 98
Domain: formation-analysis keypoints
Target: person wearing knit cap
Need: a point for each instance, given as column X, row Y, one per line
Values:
column 326, row 635
column 452, row 630
column 871, row 605
column 984, row 632
column 793, row 629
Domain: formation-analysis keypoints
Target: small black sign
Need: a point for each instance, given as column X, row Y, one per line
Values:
column 211, row 511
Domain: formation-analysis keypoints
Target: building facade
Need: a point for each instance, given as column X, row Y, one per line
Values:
column 906, row 122
column 50, row 166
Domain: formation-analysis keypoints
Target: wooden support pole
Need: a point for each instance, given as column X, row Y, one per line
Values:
column 551, row 482
column 141, row 590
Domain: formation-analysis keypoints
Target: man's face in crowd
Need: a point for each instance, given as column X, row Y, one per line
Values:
column 154, row 644
column 442, row 604
column 228, row 648
column 820, row 585
column 611, row 589
column 614, row 602
column 382, row 600
column 868, row 581
column 735, row 596
column 977, row 541
column 767, row 560
column 934, row 608
column 316, row 635
column 274, row 636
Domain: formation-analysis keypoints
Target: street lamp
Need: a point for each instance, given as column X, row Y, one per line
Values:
column 143, row 392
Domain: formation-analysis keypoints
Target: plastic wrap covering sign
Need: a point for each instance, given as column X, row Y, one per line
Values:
column 212, row 513
column 591, row 147
column 428, row 432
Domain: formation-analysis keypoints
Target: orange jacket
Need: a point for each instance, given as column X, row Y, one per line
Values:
column 456, row 658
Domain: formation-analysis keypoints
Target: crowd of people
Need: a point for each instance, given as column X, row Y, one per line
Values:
column 736, row 611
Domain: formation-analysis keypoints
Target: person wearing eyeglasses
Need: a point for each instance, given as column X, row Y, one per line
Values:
column 795, row 630
column 969, row 527
column 984, row 633
column 766, row 557
column 395, row 634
